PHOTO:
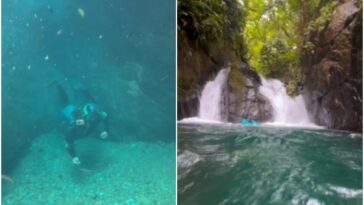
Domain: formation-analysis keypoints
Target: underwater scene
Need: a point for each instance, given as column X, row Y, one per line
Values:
column 88, row 102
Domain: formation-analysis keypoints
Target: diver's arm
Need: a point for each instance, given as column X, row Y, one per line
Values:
column 104, row 118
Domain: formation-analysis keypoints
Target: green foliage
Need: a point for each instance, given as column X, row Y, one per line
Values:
column 201, row 19
column 208, row 20
column 275, row 34
column 270, row 34
column 319, row 23
column 277, row 58
column 271, row 37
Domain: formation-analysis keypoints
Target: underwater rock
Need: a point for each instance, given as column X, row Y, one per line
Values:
column 333, row 72
column 134, row 89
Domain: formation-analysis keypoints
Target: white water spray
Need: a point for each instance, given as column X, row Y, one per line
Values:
column 210, row 102
column 286, row 110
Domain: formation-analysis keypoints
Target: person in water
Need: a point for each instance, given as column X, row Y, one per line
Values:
column 82, row 121
column 248, row 123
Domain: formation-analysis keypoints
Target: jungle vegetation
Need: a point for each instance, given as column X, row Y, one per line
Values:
column 270, row 35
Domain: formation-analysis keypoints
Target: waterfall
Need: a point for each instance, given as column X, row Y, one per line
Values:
column 287, row 110
column 210, row 101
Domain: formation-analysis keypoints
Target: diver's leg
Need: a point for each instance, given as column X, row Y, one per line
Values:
column 62, row 95
column 70, row 146
column 85, row 95
column 88, row 97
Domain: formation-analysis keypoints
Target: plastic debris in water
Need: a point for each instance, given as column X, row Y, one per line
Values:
column 13, row 68
column 28, row 67
column 59, row 32
column 81, row 12
column 46, row 57
column 100, row 36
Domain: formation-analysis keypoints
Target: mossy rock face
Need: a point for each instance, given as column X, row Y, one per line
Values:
column 199, row 63
column 245, row 100
column 193, row 71
column 200, row 59
column 196, row 65
column 237, row 79
column 333, row 72
column 193, row 67
column 209, row 38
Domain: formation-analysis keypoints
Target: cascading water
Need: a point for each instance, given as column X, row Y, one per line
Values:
column 287, row 110
column 210, row 102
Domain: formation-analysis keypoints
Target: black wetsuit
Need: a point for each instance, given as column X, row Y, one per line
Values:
column 91, row 115
column 92, row 122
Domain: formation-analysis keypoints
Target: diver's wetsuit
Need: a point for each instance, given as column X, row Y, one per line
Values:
column 91, row 115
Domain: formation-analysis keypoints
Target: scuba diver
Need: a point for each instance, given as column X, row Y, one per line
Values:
column 82, row 121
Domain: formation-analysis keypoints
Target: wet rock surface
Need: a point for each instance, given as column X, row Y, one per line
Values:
column 333, row 86
column 246, row 101
column 241, row 97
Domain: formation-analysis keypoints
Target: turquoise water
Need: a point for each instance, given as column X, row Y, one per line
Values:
column 231, row 164
column 123, row 54
column 114, row 173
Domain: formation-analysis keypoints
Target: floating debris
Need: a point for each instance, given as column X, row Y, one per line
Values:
column 28, row 67
column 59, row 32
column 35, row 15
column 7, row 178
column 86, row 170
column 101, row 37
column 134, row 88
column 81, row 12
column 46, row 57
column 13, row 68
column 165, row 77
